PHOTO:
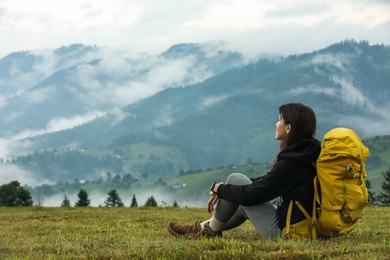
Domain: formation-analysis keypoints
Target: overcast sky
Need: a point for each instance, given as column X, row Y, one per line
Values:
column 251, row 26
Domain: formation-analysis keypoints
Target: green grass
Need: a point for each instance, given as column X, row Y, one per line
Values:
column 141, row 233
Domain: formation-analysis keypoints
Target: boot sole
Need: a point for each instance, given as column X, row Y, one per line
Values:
column 173, row 232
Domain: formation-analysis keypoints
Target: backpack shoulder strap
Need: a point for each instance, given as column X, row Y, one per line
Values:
column 303, row 210
column 312, row 220
column 315, row 201
column 288, row 220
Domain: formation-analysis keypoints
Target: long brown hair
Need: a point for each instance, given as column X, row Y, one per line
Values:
column 302, row 120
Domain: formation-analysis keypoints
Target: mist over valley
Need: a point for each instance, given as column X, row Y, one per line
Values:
column 78, row 112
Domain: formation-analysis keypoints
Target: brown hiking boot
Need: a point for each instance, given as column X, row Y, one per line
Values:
column 178, row 230
column 206, row 232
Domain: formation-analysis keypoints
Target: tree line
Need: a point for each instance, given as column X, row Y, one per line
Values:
column 113, row 200
column 14, row 195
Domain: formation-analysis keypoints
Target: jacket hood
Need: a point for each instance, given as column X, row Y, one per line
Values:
column 303, row 151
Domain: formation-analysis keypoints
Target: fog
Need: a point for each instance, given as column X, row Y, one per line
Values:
column 9, row 172
column 98, row 198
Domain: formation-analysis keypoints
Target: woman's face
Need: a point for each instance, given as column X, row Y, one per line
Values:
column 282, row 129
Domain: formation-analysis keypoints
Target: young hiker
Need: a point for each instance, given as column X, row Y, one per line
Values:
column 291, row 178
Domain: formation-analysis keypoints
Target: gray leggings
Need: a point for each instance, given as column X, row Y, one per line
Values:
column 262, row 216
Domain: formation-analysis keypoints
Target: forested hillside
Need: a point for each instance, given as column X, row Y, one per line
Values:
column 189, row 188
column 227, row 118
column 57, row 89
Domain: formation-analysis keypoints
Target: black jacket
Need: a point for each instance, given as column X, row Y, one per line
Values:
column 291, row 177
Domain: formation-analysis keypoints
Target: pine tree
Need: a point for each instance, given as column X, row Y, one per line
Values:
column 83, row 200
column 151, row 202
column 384, row 197
column 134, row 202
column 113, row 199
column 65, row 202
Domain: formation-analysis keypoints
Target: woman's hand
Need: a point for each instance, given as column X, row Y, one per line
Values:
column 213, row 197
column 211, row 202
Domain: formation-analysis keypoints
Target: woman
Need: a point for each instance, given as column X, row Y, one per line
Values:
column 291, row 178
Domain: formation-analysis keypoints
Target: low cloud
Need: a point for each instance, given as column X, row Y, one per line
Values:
column 17, row 144
column 165, row 118
column 315, row 89
column 10, row 148
column 346, row 91
column 9, row 172
column 119, row 115
column 42, row 64
column 368, row 127
column 335, row 60
column 119, row 81
column 210, row 101
column 38, row 96
column 352, row 95
column 58, row 124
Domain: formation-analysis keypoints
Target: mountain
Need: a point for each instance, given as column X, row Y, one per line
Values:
column 51, row 90
column 226, row 119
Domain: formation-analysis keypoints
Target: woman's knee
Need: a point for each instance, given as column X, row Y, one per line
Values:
column 238, row 179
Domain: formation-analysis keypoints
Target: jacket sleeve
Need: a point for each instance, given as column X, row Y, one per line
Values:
column 265, row 188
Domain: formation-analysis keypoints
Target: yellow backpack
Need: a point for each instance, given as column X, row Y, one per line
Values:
column 340, row 192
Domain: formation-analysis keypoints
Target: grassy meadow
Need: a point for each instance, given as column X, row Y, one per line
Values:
column 141, row 233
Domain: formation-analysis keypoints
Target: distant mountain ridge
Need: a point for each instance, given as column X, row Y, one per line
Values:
column 77, row 82
column 229, row 118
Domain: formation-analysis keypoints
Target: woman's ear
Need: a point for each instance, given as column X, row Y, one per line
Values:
column 288, row 128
